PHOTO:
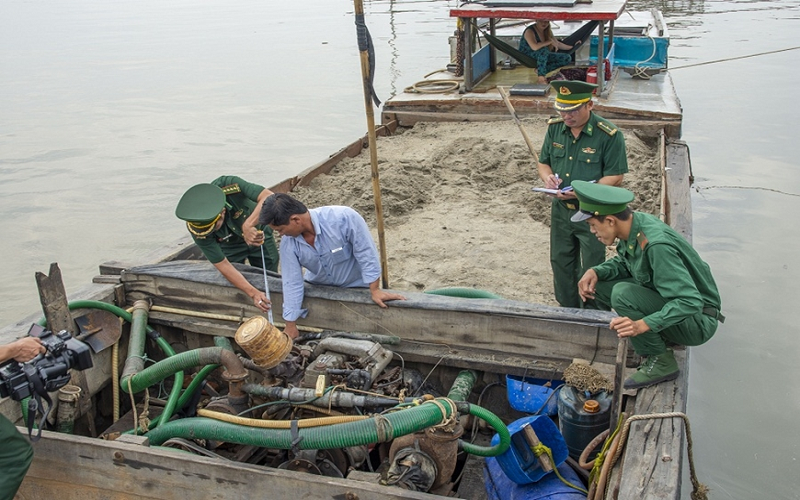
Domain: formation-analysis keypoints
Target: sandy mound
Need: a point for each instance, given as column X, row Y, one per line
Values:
column 458, row 206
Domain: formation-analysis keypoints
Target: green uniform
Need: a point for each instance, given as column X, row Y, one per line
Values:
column 599, row 151
column 16, row 454
column 657, row 276
column 241, row 198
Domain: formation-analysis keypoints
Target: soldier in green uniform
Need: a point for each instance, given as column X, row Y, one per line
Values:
column 222, row 217
column 659, row 286
column 579, row 145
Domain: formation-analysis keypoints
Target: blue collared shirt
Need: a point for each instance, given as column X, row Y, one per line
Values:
column 343, row 254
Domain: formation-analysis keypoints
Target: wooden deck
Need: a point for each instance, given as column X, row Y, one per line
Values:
column 647, row 104
column 495, row 336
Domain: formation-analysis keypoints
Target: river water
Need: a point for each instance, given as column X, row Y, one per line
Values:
column 109, row 110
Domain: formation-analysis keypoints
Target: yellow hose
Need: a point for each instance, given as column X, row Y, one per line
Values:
column 223, row 317
column 115, row 371
column 280, row 424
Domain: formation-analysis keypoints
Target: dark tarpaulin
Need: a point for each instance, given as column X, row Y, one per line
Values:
column 365, row 44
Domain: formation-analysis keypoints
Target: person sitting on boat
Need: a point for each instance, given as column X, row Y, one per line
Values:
column 539, row 43
column 659, row 286
column 222, row 217
column 579, row 145
column 16, row 453
column 332, row 243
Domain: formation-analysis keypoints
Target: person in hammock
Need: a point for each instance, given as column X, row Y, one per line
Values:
column 539, row 43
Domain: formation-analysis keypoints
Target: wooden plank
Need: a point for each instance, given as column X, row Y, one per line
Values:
column 499, row 326
column 53, row 297
column 653, row 454
column 679, row 202
column 79, row 468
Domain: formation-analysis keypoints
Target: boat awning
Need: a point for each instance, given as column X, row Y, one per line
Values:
column 597, row 10
column 603, row 11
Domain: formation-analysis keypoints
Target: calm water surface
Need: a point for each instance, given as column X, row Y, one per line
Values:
column 109, row 110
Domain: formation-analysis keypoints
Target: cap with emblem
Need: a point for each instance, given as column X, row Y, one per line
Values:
column 201, row 207
column 599, row 199
column 571, row 94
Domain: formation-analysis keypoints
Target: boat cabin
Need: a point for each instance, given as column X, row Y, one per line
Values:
column 625, row 52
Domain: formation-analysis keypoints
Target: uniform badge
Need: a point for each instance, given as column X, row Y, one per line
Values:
column 557, row 145
column 642, row 239
column 237, row 214
column 605, row 127
column 564, row 91
column 231, row 189
column 589, row 151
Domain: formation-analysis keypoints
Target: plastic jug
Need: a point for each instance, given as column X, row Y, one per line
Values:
column 581, row 418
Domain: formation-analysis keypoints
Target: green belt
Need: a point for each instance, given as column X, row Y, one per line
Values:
column 714, row 313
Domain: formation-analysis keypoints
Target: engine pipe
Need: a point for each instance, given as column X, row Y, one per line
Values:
column 337, row 399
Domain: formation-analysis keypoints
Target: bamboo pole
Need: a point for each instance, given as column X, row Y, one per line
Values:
column 373, row 153
column 518, row 122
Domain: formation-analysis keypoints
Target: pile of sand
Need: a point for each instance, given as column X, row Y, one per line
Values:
column 458, row 206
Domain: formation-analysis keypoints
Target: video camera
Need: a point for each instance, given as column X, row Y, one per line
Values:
column 46, row 372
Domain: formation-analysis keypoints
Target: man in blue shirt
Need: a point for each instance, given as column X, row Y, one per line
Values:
column 332, row 243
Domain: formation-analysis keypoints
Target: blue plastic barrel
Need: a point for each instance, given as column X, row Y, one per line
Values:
column 519, row 462
column 500, row 487
column 579, row 426
column 532, row 395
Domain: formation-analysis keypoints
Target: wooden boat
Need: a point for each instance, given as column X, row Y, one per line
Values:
column 441, row 337
column 634, row 45
column 190, row 306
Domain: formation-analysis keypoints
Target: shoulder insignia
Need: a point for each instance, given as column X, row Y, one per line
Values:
column 556, row 119
column 642, row 239
column 231, row 189
column 605, row 127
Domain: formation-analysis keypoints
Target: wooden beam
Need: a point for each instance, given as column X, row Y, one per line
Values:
column 497, row 326
column 679, row 201
column 78, row 468
column 653, row 454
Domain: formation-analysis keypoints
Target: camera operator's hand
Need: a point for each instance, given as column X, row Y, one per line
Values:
column 22, row 350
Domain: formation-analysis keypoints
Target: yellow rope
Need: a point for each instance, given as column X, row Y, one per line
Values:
column 600, row 458
column 539, row 449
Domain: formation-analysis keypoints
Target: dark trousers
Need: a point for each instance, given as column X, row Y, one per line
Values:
column 16, row 454
column 635, row 301
column 271, row 256
column 573, row 250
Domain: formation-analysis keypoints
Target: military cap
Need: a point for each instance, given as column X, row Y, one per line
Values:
column 201, row 207
column 571, row 94
column 599, row 199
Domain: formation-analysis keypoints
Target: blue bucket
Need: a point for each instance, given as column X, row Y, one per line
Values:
column 529, row 395
column 518, row 461
column 500, row 487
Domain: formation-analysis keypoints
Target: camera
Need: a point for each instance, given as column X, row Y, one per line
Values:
column 46, row 372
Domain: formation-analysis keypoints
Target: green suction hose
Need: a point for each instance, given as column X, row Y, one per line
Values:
column 381, row 428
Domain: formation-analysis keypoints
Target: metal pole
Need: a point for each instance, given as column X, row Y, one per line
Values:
column 266, row 285
column 373, row 153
